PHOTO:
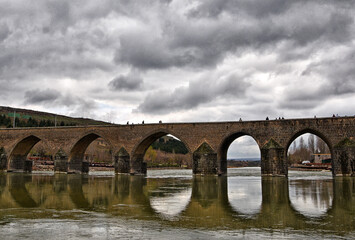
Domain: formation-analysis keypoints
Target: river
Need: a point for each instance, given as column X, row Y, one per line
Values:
column 173, row 204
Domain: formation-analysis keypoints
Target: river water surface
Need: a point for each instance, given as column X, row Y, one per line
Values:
column 173, row 204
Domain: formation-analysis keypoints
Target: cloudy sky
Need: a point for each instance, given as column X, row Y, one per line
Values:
column 178, row 60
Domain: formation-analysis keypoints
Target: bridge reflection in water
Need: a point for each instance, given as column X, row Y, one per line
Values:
column 206, row 202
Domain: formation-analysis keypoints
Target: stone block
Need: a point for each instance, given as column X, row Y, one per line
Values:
column 28, row 166
column 138, row 166
column 273, row 161
column 122, row 164
column 75, row 167
column 3, row 160
column 61, row 165
column 85, row 167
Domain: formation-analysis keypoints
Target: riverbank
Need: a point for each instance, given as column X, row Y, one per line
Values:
column 51, row 168
column 97, row 169
column 309, row 169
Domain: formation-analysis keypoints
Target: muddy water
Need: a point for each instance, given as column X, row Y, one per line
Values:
column 172, row 204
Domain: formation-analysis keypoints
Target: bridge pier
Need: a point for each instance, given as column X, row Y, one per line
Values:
column 344, row 158
column 61, row 162
column 3, row 159
column 28, row 166
column 273, row 162
column 122, row 161
column 61, row 165
column 19, row 163
column 138, row 166
column 74, row 167
column 204, row 160
column 78, row 167
column 85, row 167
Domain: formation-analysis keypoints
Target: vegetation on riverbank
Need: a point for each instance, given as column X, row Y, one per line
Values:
column 30, row 118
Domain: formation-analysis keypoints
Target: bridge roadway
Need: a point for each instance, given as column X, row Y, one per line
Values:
column 207, row 144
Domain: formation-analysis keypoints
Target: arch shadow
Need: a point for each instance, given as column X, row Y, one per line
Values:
column 19, row 192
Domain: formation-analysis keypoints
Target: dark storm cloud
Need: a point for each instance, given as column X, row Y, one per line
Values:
column 190, row 40
column 4, row 31
column 197, row 93
column 129, row 82
column 195, row 41
column 50, row 97
column 337, row 77
column 56, row 44
column 41, row 96
column 211, row 8
column 60, row 15
column 256, row 8
column 340, row 74
column 41, row 44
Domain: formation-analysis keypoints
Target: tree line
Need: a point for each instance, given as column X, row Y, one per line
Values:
column 167, row 153
column 302, row 150
column 170, row 146
column 7, row 122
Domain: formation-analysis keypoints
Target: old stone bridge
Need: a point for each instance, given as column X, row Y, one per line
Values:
column 207, row 144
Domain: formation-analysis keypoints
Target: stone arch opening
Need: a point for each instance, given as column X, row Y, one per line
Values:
column 41, row 157
column 167, row 145
column 238, row 146
column 309, row 131
column 309, row 149
column 90, row 150
column 18, row 161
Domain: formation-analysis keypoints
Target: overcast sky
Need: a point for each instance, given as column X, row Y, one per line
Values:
column 178, row 60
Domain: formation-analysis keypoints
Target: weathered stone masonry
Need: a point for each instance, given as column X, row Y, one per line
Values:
column 207, row 144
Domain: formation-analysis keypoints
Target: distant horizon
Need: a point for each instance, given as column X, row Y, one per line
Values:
column 243, row 159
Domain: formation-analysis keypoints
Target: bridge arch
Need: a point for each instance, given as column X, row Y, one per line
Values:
column 77, row 152
column 310, row 149
column 17, row 160
column 137, row 164
column 224, row 146
column 311, row 131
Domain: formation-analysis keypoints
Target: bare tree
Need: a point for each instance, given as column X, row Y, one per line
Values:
column 294, row 147
column 311, row 143
column 322, row 147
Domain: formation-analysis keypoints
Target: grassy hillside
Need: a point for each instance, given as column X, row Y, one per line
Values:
column 30, row 118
